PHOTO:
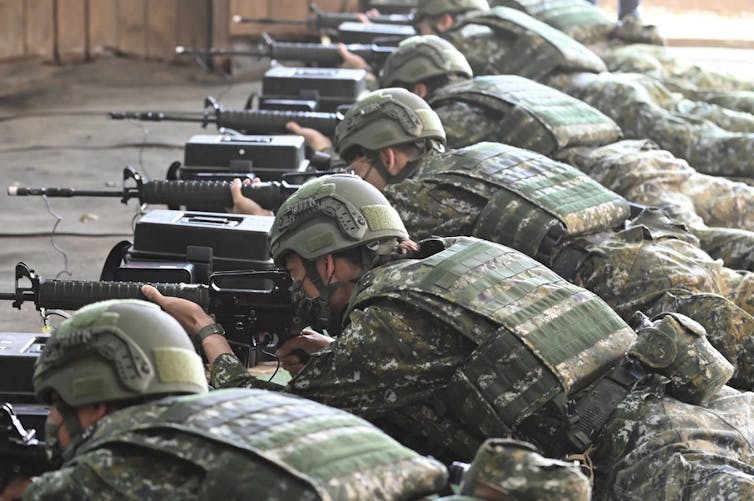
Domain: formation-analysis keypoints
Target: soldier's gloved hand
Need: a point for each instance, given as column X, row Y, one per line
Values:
column 308, row 341
column 314, row 139
column 243, row 205
column 189, row 314
column 351, row 60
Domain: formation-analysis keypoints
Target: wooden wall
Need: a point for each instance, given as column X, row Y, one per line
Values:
column 68, row 31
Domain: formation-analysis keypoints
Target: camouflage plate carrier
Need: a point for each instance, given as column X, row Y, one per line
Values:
column 538, row 49
column 576, row 18
column 534, row 202
column 535, row 117
column 337, row 454
column 538, row 338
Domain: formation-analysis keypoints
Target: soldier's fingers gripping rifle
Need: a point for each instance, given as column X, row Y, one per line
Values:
column 246, row 303
column 329, row 20
column 243, row 121
column 322, row 54
column 174, row 193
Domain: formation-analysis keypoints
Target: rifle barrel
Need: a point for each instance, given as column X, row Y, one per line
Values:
column 19, row 191
column 157, row 116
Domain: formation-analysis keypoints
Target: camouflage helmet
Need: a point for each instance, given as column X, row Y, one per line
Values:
column 117, row 350
column 515, row 470
column 330, row 214
column 432, row 8
column 420, row 58
column 387, row 117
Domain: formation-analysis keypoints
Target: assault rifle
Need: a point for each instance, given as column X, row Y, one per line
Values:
column 322, row 54
column 21, row 454
column 246, row 303
column 243, row 121
column 329, row 20
column 190, row 193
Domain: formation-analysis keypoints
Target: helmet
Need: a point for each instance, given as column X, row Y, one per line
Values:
column 432, row 8
column 117, row 350
column 330, row 214
column 423, row 57
column 387, row 117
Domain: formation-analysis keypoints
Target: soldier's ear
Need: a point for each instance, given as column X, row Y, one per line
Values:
column 444, row 22
column 390, row 161
column 420, row 90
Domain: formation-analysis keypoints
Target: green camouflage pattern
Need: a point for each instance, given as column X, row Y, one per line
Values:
column 286, row 447
column 531, row 115
column 647, row 175
column 576, row 18
column 518, row 470
column 644, row 108
column 533, row 196
column 655, row 447
column 534, row 49
column 655, row 266
column 542, row 327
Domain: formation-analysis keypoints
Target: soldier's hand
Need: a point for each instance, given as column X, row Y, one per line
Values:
column 243, row 205
column 351, row 60
column 15, row 489
column 314, row 139
column 308, row 342
column 190, row 315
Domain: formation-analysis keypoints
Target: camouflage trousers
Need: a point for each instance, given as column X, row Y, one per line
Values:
column 655, row 447
column 651, row 269
column 644, row 108
column 720, row 212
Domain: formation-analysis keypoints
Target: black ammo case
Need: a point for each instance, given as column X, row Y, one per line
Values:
column 185, row 246
column 311, row 89
column 234, row 155
column 18, row 353
column 381, row 34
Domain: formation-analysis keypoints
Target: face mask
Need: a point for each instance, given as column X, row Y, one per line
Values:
column 53, row 449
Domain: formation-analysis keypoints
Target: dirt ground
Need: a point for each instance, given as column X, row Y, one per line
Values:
column 55, row 132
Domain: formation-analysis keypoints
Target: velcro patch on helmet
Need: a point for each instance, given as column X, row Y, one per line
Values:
column 176, row 365
column 382, row 217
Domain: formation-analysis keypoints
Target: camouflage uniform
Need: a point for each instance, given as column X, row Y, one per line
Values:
column 508, row 41
column 632, row 47
column 429, row 352
column 532, row 116
column 652, row 265
column 236, row 444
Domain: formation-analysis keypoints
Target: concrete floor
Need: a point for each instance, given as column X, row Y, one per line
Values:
column 55, row 132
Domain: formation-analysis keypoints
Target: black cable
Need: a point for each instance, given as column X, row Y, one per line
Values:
column 63, row 234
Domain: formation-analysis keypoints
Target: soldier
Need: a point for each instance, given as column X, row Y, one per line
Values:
column 496, row 41
column 130, row 416
column 551, row 212
column 465, row 339
column 523, row 113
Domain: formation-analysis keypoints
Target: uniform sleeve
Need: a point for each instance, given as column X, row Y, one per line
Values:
column 428, row 209
column 228, row 372
column 387, row 357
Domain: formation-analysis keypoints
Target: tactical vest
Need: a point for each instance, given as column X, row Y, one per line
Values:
column 537, row 49
column 576, row 18
column 535, row 117
column 337, row 454
column 533, row 202
column 538, row 337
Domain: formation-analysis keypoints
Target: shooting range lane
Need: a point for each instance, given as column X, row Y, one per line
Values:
column 55, row 133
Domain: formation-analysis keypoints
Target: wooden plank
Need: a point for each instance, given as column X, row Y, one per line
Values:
column 39, row 28
column 71, row 31
column 11, row 28
column 132, row 17
column 283, row 9
column 103, row 26
column 194, row 23
column 162, row 28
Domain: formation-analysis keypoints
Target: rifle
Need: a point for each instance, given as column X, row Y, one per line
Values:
column 243, row 121
column 329, row 20
column 21, row 454
column 245, row 303
column 322, row 54
column 190, row 193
